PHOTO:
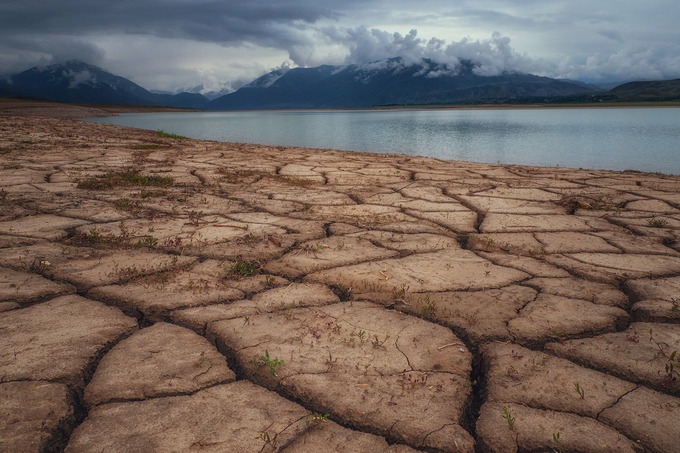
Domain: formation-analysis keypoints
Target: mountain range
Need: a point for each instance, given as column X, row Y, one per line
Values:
column 78, row 82
column 391, row 82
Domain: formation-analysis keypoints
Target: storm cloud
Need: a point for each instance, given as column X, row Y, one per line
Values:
column 172, row 44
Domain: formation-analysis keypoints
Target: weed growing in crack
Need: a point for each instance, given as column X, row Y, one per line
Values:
column 267, row 361
column 675, row 301
column 507, row 415
column 317, row 419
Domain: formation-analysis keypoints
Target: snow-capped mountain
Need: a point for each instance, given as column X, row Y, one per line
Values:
column 391, row 82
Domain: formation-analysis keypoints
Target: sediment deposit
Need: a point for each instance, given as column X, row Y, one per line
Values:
column 165, row 294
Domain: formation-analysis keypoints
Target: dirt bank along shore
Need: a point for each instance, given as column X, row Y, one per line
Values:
column 162, row 294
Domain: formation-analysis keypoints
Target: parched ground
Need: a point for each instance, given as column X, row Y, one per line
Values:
column 162, row 294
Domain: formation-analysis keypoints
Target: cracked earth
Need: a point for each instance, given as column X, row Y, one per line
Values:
column 163, row 294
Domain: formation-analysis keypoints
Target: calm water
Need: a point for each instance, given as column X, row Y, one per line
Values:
column 646, row 139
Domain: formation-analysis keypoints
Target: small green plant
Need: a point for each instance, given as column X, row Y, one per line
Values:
column 166, row 134
column 507, row 415
column 556, row 441
column 579, row 390
column 267, row 361
column 657, row 223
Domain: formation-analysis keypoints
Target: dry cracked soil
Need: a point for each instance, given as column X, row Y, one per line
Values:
column 160, row 294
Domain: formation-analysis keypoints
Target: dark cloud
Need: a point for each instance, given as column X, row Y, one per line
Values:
column 166, row 43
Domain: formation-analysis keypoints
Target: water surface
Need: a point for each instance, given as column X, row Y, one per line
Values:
column 645, row 139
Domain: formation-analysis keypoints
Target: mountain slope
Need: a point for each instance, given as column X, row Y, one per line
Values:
column 390, row 82
column 78, row 82
column 662, row 90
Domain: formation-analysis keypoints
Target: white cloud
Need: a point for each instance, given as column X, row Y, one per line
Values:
column 80, row 78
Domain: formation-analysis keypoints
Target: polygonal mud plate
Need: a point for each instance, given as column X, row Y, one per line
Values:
column 378, row 369
column 56, row 340
column 231, row 417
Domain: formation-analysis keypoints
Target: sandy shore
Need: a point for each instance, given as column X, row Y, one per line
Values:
column 161, row 294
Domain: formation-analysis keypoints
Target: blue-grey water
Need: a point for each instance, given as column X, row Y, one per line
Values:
column 645, row 139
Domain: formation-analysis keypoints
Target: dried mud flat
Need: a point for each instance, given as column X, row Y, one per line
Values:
column 164, row 294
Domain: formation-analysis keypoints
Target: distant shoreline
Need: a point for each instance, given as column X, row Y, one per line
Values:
column 93, row 110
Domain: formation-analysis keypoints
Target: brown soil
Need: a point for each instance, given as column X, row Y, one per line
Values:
column 161, row 294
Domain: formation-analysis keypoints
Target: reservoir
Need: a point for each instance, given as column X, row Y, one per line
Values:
column 644, row 139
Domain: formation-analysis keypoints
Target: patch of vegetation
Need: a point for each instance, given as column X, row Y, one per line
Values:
column 147, row 241
column 244, row 268
column 96, row 237
column 149, row 146
column 166, row 134
column 124, row 178
column 231, row 176
column 657, row 223
column 126, row 204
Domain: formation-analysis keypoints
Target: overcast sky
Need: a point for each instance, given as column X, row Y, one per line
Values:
column 171, row 44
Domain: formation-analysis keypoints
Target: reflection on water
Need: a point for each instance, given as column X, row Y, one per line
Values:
column 645, row 139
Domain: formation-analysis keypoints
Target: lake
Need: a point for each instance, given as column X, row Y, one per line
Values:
column 645, row 139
